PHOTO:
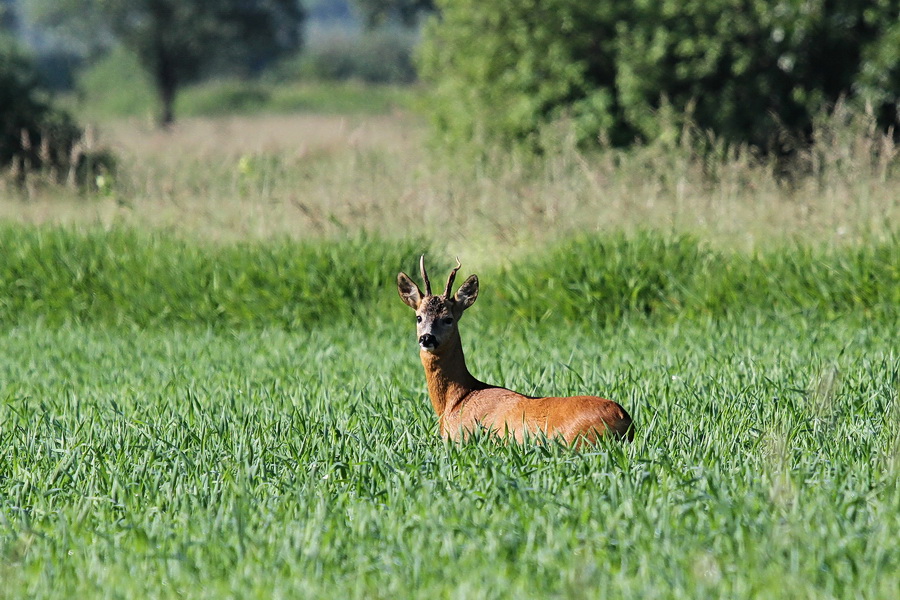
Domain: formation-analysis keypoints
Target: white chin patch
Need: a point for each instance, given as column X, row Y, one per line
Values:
column 427, row 348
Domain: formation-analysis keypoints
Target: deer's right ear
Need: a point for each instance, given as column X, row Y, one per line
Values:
column 409, row 291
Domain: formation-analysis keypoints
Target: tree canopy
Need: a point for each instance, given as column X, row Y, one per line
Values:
column 34, row 135
column 178, row 41
column 407, row 12
column 751, row 72
column 8, row 17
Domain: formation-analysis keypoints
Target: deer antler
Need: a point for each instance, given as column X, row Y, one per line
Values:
column 425, row 276
column 450, row 279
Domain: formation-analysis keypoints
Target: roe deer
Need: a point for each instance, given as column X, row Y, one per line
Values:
column 464, row 403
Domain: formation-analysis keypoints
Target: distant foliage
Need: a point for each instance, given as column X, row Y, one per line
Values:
column 35, row 136
column 178, row 42
column 382, row 56
column 115, row 85
column 9, row 20
column 753, row 73
column 407, row 12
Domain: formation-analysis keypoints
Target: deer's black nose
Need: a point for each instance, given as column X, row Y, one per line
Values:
column 427, row 341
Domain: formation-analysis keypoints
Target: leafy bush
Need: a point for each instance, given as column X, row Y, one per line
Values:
column 879, row 78
column 502, row 69
column 750, row 72
column 225, row 96
column 34, row 135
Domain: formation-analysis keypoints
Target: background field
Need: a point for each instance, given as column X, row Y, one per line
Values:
column 210, row 388
column 313, row 175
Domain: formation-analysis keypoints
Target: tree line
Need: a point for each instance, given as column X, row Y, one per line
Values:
column 175, row 41
column 505, row 71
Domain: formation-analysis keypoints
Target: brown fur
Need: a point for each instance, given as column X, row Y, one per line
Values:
column 464, row 403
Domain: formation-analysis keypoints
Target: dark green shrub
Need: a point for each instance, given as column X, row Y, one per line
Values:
column 37, row 138
column 34, row 135
column 752, row 73
column 879, row 78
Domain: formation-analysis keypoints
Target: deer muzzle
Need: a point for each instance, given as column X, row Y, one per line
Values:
column 427, row 341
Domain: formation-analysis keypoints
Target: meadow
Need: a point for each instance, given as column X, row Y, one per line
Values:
column 211, row 389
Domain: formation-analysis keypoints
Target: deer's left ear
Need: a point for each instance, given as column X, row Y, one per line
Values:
column 467, row 292
column 409, row 291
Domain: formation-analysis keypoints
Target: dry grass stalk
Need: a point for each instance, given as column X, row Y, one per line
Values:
column 308, row 175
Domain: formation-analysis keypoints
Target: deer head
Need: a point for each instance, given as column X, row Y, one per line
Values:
column 437, row 316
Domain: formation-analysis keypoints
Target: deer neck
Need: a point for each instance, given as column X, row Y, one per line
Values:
column 449, row 380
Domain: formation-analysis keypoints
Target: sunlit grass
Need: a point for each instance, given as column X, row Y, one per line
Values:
column 149, row 279
column 271, row 462
column 188, row 419
column 209, row 388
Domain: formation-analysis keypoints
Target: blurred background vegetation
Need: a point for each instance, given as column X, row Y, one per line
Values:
column 755, row 73
column 750, row 72
column 108, row 59
column 785, row 96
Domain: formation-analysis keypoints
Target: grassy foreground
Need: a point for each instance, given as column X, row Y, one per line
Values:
column 254, row 447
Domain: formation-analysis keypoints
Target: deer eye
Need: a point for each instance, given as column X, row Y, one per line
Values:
column 448, row 320
column 418, row 318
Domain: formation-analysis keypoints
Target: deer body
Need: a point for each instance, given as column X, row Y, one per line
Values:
column 465, row 404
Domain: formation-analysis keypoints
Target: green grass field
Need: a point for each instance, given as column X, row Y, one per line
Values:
column 189, row 418
column 210, row 388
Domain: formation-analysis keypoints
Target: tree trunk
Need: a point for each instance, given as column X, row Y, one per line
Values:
column 166, row 88
column 167, row 103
